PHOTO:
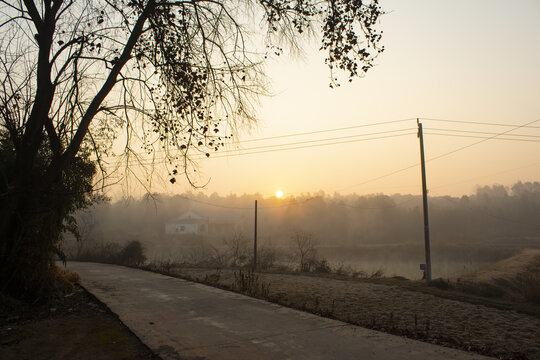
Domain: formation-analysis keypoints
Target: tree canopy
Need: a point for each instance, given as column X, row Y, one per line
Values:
column 180, row 74
column 175, row 75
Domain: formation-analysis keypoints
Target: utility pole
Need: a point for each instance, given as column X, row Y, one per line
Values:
column 255, row 241
column 424, row 198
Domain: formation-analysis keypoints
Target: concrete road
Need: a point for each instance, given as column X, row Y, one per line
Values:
column 179, row 319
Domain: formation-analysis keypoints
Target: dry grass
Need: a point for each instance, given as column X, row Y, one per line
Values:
column 450, row 318
column 516, row 278
column 530, row 287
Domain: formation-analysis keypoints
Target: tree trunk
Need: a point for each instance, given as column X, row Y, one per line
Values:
column 25, row 258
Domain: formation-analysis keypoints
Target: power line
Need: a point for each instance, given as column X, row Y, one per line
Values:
column 381, row 177
column 381, row 123
column 479, row 132
column 291, row 146
column 320, row 140
column 483, row 137
column 249, row 151
column 327, row 130
column 440, row 156
column 236, row 151
column 484, row 176
column 274, row 148
column 483, row 140
column 322, row 131
column 271, row 148
column 478, row 123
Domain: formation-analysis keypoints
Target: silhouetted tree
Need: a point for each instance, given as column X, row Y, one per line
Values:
column 132, row 254
column 173, row 74
column 27, row 253
column 304, row 250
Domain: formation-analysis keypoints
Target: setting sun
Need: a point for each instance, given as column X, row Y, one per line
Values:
column 279, row 194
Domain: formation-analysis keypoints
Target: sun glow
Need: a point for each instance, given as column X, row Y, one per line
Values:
column 279, row 194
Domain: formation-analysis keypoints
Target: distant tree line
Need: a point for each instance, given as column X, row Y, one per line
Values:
column 493, row 216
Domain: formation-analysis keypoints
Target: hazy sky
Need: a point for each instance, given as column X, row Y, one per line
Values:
column 469, row 61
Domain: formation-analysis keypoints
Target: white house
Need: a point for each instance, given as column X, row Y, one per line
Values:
column 188, row 223
column 192, row 223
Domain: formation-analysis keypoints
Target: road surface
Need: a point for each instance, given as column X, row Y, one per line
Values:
column 179, row 319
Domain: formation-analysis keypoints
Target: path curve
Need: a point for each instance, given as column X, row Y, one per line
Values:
column 178, row 319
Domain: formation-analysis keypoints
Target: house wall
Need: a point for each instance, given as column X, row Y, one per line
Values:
column 179, row 229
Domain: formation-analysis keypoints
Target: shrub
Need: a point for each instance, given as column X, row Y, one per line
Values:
column 132, row 254
column 251, row 284
column 237, row 250
column 377, row 274
column 323, row 267
column 65, row 279
column 266, row 257
column 107, row 253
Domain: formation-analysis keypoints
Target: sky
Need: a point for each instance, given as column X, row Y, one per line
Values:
column 464, row 61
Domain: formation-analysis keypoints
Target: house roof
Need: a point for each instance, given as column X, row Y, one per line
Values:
column 191, row 217
column 188, row 217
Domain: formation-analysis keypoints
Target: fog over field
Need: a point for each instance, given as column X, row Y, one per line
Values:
column 357, row 233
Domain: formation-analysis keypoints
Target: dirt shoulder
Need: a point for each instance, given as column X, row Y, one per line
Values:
column 74, row 326
column 488, row 330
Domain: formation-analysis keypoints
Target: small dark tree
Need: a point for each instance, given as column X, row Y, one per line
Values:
column 304, row 250
column 237, row 250
column 132, row 254
column 174, row 75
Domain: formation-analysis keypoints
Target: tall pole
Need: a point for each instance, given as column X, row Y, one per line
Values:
column 255, row 241
column 424, row 198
